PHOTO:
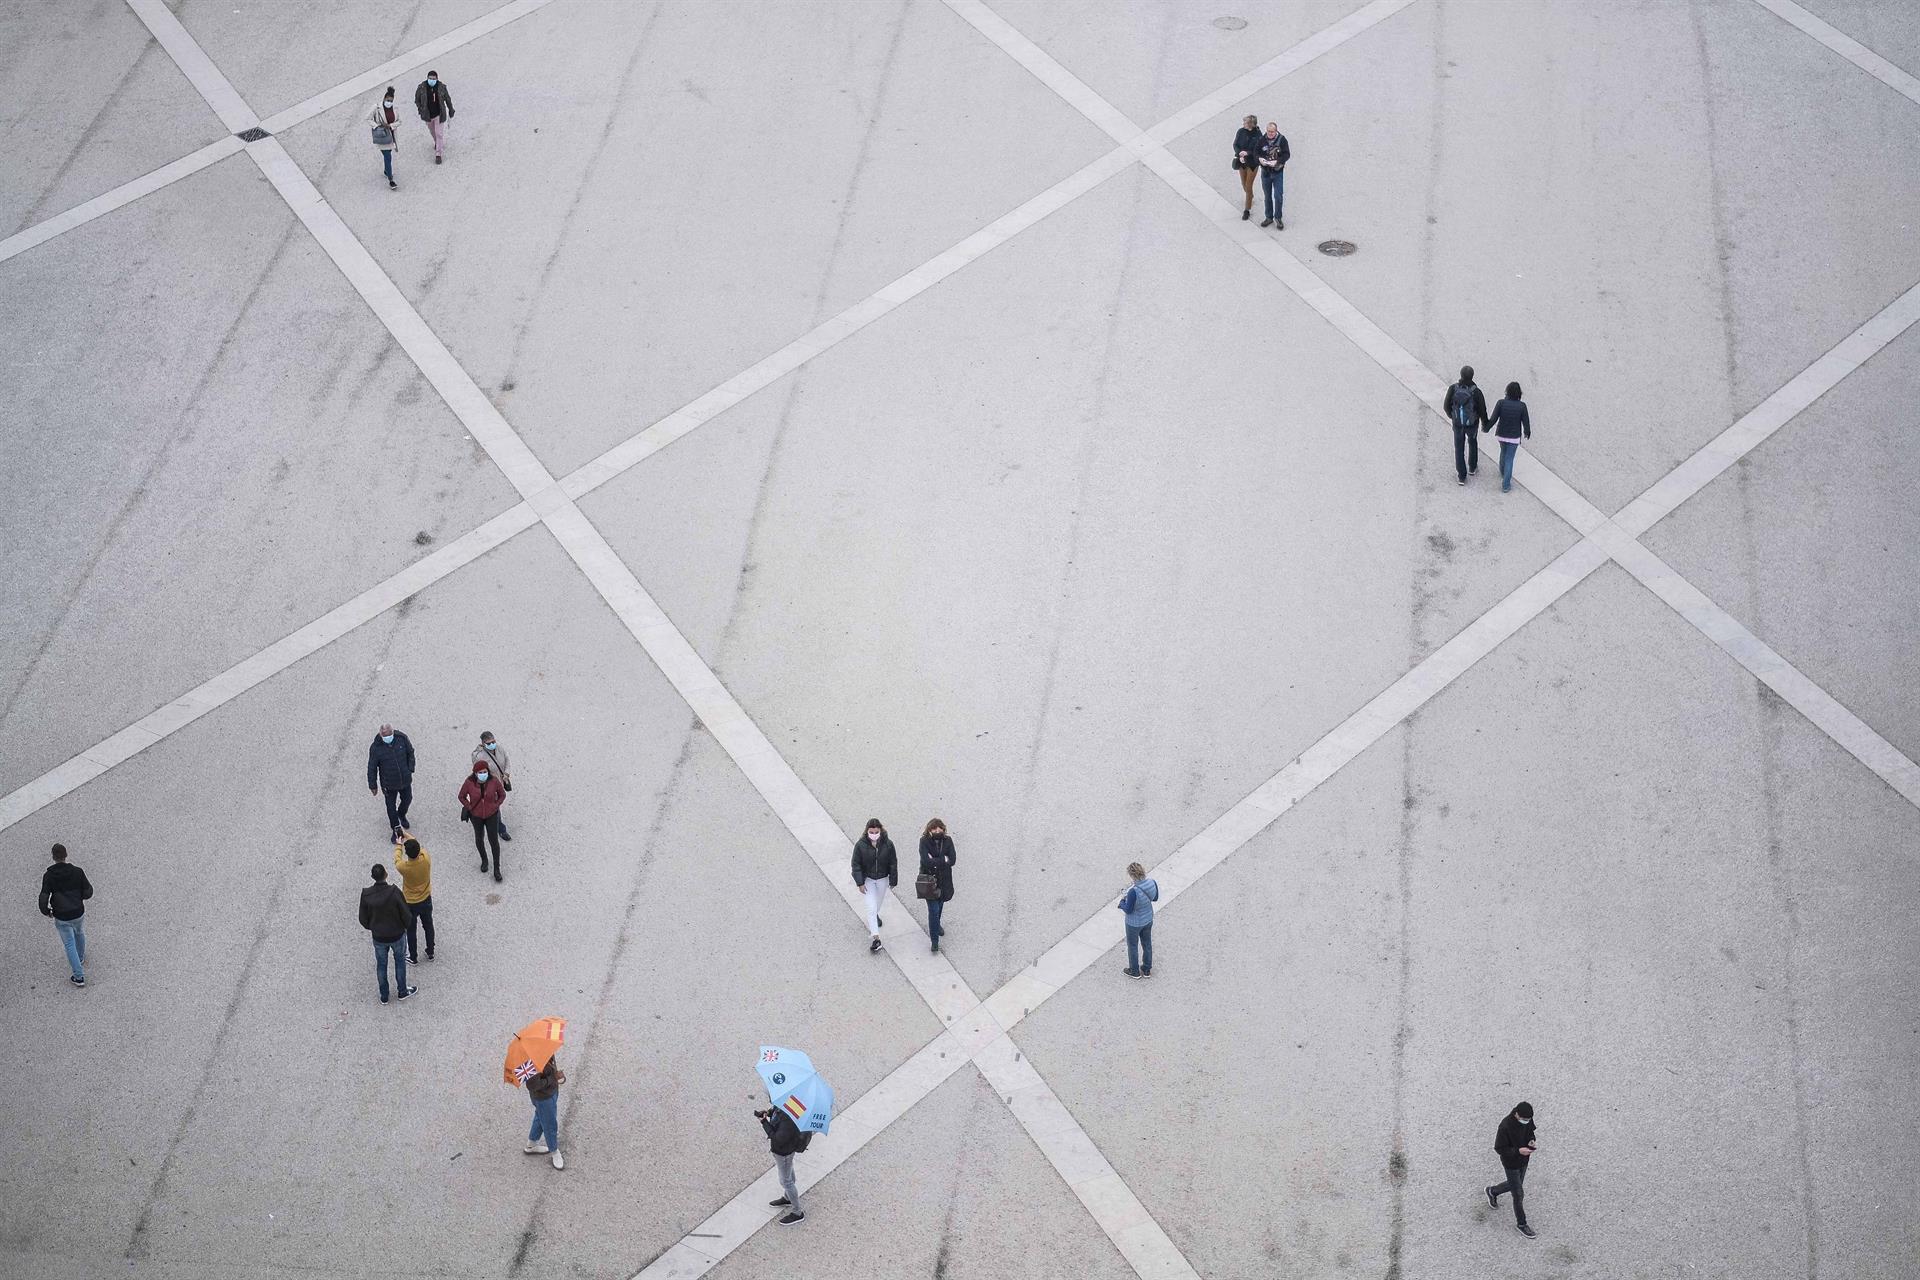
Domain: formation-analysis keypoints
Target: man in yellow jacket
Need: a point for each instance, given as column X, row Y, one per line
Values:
column 415, row 866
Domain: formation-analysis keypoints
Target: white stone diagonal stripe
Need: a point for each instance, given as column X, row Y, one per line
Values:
column 128, row 192
column 1846, row 46
column 195, row 65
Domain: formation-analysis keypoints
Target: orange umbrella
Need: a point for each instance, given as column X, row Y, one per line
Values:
column 533, row 1048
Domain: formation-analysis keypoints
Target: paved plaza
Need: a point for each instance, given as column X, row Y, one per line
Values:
column 774, row 414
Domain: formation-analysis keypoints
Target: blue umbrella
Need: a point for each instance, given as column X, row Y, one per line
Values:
column 796, row 1088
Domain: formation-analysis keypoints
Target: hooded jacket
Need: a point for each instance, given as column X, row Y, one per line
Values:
column 1513, row 1134
column 1138, row 902
column 482, row 799
column 64, row 891
column 383, row 912
column 937, row 857
column 390, row 764
column 875, row 862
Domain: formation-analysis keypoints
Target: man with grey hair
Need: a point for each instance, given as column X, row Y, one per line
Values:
column 390, row 775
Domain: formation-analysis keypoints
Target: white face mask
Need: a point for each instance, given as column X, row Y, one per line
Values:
column 481, row 776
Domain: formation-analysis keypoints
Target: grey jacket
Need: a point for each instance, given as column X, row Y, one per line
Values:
column 502, row 767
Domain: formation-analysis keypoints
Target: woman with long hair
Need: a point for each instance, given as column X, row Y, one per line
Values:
column 936, row 860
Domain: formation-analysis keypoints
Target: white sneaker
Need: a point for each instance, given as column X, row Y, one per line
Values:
column 559, row 1161
column 536, row 1148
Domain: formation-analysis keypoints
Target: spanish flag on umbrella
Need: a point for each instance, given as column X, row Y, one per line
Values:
column 533, row 1048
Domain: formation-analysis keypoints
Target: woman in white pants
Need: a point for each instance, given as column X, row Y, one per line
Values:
column 875, row 870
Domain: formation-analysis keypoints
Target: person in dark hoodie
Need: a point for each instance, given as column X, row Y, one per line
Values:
column 1513, row 1143
column 1509, row 422
column 786, row 1141
column 936, row 859
column 435, row 104
column 64, row 891
column 1467, row 411
column 383, row 913
column 481, row 796
column 875, row 869
column 390, row 775
column 1246, row 160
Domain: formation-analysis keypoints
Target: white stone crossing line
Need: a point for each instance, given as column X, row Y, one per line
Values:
column 1846, row 46
column 188, row 165
column 195, row 65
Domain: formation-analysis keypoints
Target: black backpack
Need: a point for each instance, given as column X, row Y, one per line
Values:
column 1460, row 404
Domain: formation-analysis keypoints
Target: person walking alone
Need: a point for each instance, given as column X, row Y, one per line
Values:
column 875, row 869
column 415, row 866
column 495, row 757
column 390, row 775
column 544, row 1088
column 64, row 891
column 1138, row 902
column 383, row 913
column 1246, row 160
column 435, row 104
column 1513, row 1142
column 1509, row 422
column 936, row 859
column 1467, row 411
column 480, row 798
column 785, row 1140
column 1274, row 155
column 386, row 134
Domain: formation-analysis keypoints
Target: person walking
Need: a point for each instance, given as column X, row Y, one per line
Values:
column 1274, row 155
column 1466, row 410
column 495, row 757
column 480, row 798
column 1138, row 902
column 786, row 1141
column 1509, row 422
column 386, row 134
column 1246, row 160
column 64, row 891
column 936, row 860
column 435, row 105
column 415, row 866
column 390, row 775
column 383, row 913
column 874, row 870
column 544, row 1088
column 1513, row 1142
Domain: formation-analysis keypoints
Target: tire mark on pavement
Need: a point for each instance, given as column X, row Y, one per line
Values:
column 107, row 105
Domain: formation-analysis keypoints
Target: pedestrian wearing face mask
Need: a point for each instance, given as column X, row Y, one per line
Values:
column 1513, row 1142
column 386, row 134
column 435, row 104
column 480, row 799
column 875, row 869
column 1246, row 160
column 495, row 756
column 390, row 775
column 936, row 875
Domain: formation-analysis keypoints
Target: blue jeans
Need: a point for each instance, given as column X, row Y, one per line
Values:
column 1507, row 449
column 546, row 1122
column 934, row 906
column 74, row 937
column 386, row 158
column 1140, row 948
column 398, row 949
column 1273, row 183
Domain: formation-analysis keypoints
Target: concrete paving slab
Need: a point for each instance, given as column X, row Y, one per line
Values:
column 1890, row 30
column 688, row 204
column 937, row 1194
column 87, row 102
column 197, row 490
column 1621, row 246
column 1800, row 540
column 277, row 55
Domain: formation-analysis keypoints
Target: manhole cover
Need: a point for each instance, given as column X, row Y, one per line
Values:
column 1230, row 24
column 1337, row 248
column 254, row 135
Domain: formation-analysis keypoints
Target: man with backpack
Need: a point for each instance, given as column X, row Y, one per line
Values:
column 786, row 1141
column 1466, row 410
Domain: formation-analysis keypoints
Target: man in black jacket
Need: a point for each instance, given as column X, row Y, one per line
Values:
column 1274, row 154
column 1466, row 410
column 383, row 913
column 435, row 105
column 786, row 1140
column 390, row 775
column 1513, row 1142
column 63, row 894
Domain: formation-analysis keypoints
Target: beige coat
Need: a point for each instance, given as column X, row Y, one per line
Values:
column 379, row 116
column 498, row 757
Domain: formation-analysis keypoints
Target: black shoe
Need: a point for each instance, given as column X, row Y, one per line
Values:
column 483, row 864
column 1246, row 214
column 1525, row 1230
column 1146, row 973
column 383, row 999
column 882, row 923
column 429, row 955
column 392, row 185
column 781, row 1203
column 1267, row 223
column 78, row 982
column 413, row 959
column 436, row 159
column 873, row 946
column 496, row 873
column 1131, row 973
column 1493, row 1199
column 1278, row 225
column 409, row 991
column 504, row 835
column 790, row 1219
column 936, row 946
column 1474, row 470
column 1461, row 480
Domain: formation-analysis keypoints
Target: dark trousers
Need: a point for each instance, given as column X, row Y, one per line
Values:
column 934, row 930
column 419, row 916
column 1514, row 1178
column 485, row 829
column 1273, row 183
column 1466, row 450
column 397, row 802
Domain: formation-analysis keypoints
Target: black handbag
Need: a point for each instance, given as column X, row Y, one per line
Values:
column 926, row 886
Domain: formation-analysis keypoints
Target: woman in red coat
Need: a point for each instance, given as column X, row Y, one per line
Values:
column 481, row 796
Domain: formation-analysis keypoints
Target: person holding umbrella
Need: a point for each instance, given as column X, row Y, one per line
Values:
column 875, row 869
column 533, row 1060
column 935, row 883
column 802, row 1106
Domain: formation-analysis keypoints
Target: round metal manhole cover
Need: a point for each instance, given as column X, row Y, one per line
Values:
column 1337, row 248
column 1230, row 24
